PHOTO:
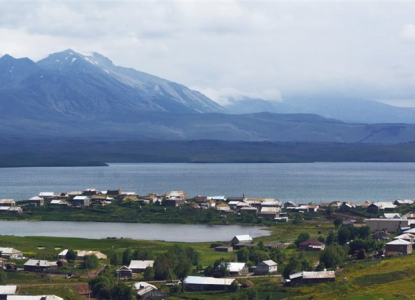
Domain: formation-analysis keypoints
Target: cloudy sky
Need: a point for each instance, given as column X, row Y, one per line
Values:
column 268, row 49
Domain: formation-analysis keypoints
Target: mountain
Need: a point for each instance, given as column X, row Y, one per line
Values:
column 340, row 108
column 70, row 85
column 72, row 96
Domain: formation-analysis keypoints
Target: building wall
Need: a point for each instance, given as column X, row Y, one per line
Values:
column 388, row 224
column 404, row 249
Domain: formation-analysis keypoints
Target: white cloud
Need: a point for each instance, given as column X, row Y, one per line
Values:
column 408, row 33
column 288, row 47
column 226, row 95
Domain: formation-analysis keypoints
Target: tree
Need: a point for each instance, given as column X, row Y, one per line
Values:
column 243, row 254
column 126, row 257
column 298, row 219
column 149, row 273
column 3, row 277
column 256, row 256
column 320, row 267
column 343, row 235
column 178, row 261
column 121, row 291
column 115, row 259
column 278, row 255
column 71, row 255
column 142, row 254
column 332, row 255
column 91, row 262
column 364, row 232
column 331, row 238
column 252, row 294
column 302, row 237
column 210, row 215
column 338, row 221
column 329, row 211
column 293, row 266
column 361, row 254
column 321, row 239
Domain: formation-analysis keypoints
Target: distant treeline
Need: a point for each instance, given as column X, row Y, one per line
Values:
column 73, row 152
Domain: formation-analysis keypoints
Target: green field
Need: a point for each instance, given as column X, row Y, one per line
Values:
column 391, row 278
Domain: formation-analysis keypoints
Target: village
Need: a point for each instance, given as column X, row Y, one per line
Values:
column 344, row 231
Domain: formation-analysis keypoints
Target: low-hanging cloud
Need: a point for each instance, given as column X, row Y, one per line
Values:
column 408, row 33
column 225, row 96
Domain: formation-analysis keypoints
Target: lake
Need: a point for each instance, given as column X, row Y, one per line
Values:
column 97, row 230
column 301, row 182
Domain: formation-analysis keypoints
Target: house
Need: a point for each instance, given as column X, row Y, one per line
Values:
column 241, row 239
column 249, row 210
column 7, row 203
column 390, row 225
column 174, row 202
column 412, row 231
column 114, row 192
column 304, row 277
column 81, row 201
column 378, row 206
column 233, row 204
column 409, row 215
column 200, row 199
column 271, row 202
column 223, row 207
column 401, row 202
column 124, row 272
column 392, row 216
column 236, row 268
column 139, row 266
column 289, row 204
column 254, row 202
column 89, row 192
column 148, row 291
column 268, row 212
column 58, row 202
column 266, row 267
column 80, row 254
column 346, row 206
column 311, row 245
column 380, row 235
column 16, row 210
column 41, row 297
column 36, row 201
column 197, row 283
column 46, row 195
column 398, row 247
column 6, row 290
column 217, row 198
column 10, row 253
column 406, row 237
column 42, row 266
column 224, row 248
column 238, row 199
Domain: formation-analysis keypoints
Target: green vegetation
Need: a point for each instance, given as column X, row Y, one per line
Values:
column 58, row 152
column 350, row 251
column 131, row 212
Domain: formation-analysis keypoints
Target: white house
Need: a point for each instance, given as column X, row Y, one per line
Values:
column 241, row 239
column 138, row 266
column 266, row 267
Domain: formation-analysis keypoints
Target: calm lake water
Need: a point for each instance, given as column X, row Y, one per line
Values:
column 163, row 232
column 314, row 182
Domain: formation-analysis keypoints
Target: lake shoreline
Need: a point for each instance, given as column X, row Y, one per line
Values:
column 138, row 231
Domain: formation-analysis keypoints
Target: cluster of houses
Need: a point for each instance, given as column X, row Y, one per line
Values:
column 10, row 292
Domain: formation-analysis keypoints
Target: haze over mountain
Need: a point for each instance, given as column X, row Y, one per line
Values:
column 334, row 107
column 69, row 95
